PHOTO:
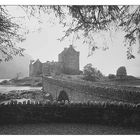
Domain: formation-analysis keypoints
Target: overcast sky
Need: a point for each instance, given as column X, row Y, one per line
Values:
column 42, row 42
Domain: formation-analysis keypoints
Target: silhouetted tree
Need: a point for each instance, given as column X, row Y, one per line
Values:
column 121, row 72
column 8, row 36
column 94, row 18
column 111, row 76
column 86, row 19
column 91, row 73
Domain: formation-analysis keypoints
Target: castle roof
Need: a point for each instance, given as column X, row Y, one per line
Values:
column 70, row 49
column 37, row 61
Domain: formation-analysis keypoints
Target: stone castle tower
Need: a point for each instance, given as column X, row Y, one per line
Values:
column 35, row 68
column 69, row 57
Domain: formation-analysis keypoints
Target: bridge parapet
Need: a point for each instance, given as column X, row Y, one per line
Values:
column 85, row 91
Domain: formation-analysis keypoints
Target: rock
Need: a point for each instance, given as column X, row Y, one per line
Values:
column 5, row 82
column 27, row 81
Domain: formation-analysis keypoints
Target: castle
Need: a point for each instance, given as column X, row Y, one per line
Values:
column 68, row 63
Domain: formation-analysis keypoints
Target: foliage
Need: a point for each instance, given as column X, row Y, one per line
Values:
column 86, row 20
column 8, row 36
column 130, row 22
column 91, row 73
column 63, row 96
column 111, row 76
column 121, row 72
column 93, row 17
column 96, row 18
column 81, row 21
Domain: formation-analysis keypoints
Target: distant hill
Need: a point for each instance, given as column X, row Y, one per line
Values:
column 18, row 64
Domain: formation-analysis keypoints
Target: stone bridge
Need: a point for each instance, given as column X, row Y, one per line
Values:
column 85, row 91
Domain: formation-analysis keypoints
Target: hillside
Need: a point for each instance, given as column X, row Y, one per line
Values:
column 18, row 64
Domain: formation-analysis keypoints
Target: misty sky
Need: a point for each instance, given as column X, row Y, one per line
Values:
column 42, row 42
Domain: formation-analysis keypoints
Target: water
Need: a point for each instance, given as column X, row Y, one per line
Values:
column 137, row 86
column 132, row 85
column 6, row 88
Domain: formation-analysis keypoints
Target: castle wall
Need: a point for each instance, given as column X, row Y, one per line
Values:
column 30, row 70
column 50, row 68
column 35, row 69
column 71, row 63
column 46, row 69
column 70, row 59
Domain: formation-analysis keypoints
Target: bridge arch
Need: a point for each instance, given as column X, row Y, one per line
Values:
column 63, row 96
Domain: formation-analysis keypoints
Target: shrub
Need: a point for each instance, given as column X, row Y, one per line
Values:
column 121, row 72
column 92, row 74
column 4, row 82
column 111, row 76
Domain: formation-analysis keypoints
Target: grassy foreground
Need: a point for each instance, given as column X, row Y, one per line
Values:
column 65, row 129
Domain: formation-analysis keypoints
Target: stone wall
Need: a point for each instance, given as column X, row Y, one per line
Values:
column 35, row 69
column 55, row 87
column 108, row 113
column 70, row 59
column 71, row 63
column 78, row 91
column 50, row 68
column 30, row 69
